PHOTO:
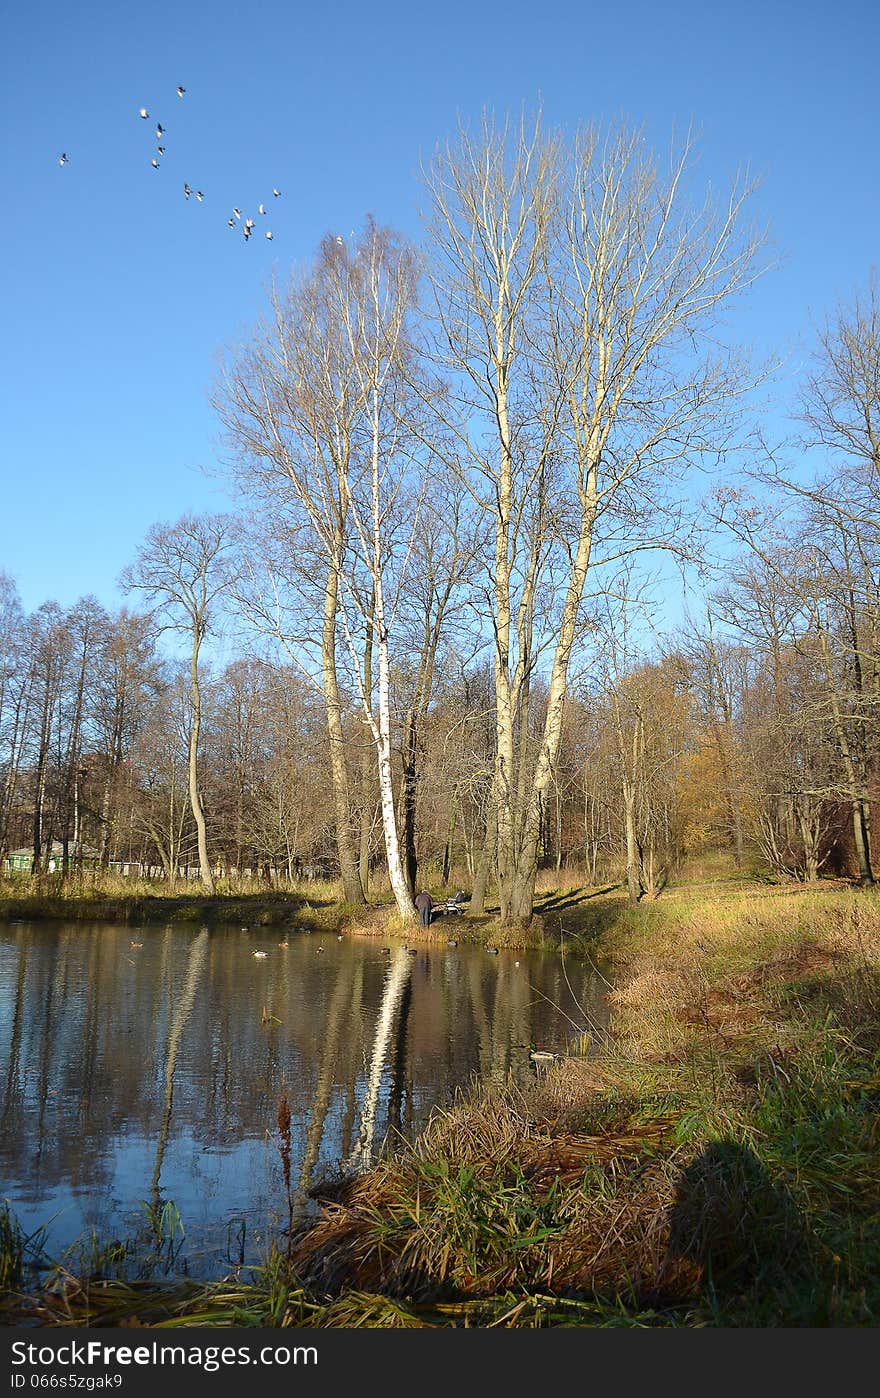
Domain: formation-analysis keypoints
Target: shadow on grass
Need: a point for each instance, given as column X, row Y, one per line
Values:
column 733, row 1226
column 586, row 915
column 574, row 898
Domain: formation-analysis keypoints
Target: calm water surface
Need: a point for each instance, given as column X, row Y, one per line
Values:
column 137, row 1076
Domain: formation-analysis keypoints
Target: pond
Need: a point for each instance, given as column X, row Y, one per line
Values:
column 142, row 1071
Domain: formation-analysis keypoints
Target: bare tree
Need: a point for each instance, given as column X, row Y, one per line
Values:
column 575, row 291
column 432, row 619
column 127, row 679
column 50, row 651
column 183, row 569
column 820, row 543
column 840, row 403
column 717, row 670
column 15, row 698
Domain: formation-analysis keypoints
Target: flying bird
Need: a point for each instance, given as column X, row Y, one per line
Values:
column 237, row 213
column 181, row 91
column 199, row 195
column 340, row 240
column 249, row 223
column 155, row 164
column 160, row 150
column 187, row 191
column 231, row 222
column 62, row 159
column 143, row 113
column 261, row 209
column 276, row 192
column 160, row 131
column 269, row 234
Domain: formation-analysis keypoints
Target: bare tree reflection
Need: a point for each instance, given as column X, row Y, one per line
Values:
column 196, row 962
column 337, row 1020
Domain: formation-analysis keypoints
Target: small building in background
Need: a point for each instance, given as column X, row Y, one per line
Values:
column 21, row 861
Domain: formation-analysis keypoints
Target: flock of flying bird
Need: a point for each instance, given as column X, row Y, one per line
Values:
column 247, row 224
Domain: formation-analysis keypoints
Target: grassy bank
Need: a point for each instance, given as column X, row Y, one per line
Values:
column 136, row 902
column 718, row 1164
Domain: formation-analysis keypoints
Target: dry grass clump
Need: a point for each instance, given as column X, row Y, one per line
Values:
column 623, row 1216
column 499, row 1197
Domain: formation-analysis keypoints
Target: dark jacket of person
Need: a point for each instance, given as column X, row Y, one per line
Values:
column 424, row 900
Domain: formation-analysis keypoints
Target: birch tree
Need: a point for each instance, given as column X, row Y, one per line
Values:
column 578, row 291
column 319, row 411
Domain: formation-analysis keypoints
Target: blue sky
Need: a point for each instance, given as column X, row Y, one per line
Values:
column 117, row 293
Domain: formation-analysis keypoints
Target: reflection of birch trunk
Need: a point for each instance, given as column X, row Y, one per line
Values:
column 398, row 1066
column 336, row 1015
column 12, row 1072
column 197, row 953
column 395, row 982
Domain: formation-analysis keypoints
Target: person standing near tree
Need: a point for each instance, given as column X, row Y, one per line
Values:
column 425, row 904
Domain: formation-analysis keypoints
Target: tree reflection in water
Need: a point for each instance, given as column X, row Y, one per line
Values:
column 110, row 1057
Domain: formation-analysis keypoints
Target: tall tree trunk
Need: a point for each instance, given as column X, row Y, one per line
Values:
column 505, row 771
column 367, row 779
column 353, row 891
column 861, row 830
column 520, row 906
column 71, row 773
column 381, row 725
column 862, row 842
column 396, row 873
column 40, row 783
column 484, row 862
column 195, row 797
column 409, row 784
column 633, row 881
column 447, row 848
